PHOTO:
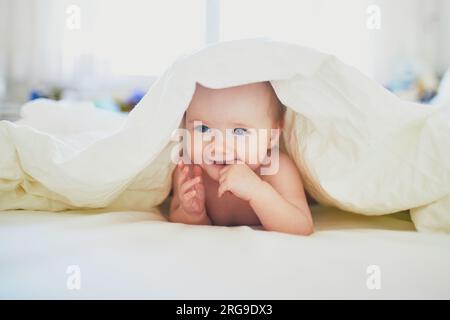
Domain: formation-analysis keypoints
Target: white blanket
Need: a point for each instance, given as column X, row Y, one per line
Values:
column 130, row 254
column 357, row 146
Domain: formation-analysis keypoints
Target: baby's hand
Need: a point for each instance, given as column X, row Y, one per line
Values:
column 191, row 191
column 239, row 179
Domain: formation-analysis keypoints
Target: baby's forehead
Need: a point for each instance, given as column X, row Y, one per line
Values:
column 252, row 104
column 258, row 95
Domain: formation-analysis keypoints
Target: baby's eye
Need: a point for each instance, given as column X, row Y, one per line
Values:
column 240, row 131
column 202, row 128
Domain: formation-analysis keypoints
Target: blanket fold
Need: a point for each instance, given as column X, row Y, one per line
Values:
column 357, row 146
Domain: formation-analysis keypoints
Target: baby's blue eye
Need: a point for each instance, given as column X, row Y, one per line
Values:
column 240, row 131
column 202, row 128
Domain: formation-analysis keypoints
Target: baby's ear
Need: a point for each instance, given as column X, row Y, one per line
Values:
column 281, row 122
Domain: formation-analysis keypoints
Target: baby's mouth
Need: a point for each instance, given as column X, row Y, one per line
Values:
column 222, row 164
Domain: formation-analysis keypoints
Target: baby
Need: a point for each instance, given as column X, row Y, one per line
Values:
column 219, row 182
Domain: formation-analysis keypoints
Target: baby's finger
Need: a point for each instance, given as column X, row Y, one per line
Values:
column 225, row 169
column 183, row 176
column 222, row 189
column 188, row 196
column 197, row 171
column 189, row 184
column 222, row 178
column 180, row 164
column 200, row 188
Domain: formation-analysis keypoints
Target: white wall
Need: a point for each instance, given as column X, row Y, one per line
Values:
column 444, row 35
column 4, row 44
column 410, row 32
column 31, row 49
column 335, row 27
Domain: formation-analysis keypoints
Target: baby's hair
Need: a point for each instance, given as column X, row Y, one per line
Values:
column 277, row 109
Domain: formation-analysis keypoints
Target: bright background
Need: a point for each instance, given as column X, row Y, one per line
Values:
column 115, row 49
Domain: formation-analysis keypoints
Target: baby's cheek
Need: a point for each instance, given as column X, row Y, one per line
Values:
column 253, row 153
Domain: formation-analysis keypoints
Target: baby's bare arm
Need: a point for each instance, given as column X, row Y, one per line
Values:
column 186, row 191
column 280, row 202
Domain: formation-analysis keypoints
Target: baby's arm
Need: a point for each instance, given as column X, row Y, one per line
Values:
column 280, row 202
column 188, row 202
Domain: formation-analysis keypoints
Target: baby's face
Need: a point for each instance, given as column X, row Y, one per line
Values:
column 231, row 125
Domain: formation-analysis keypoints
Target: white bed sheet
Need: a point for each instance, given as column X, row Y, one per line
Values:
column 140, row 255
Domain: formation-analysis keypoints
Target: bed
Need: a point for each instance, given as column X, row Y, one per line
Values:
column 139, row 255
column 357, row 146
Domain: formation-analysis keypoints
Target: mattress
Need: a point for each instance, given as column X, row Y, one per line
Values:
column 139, row 255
